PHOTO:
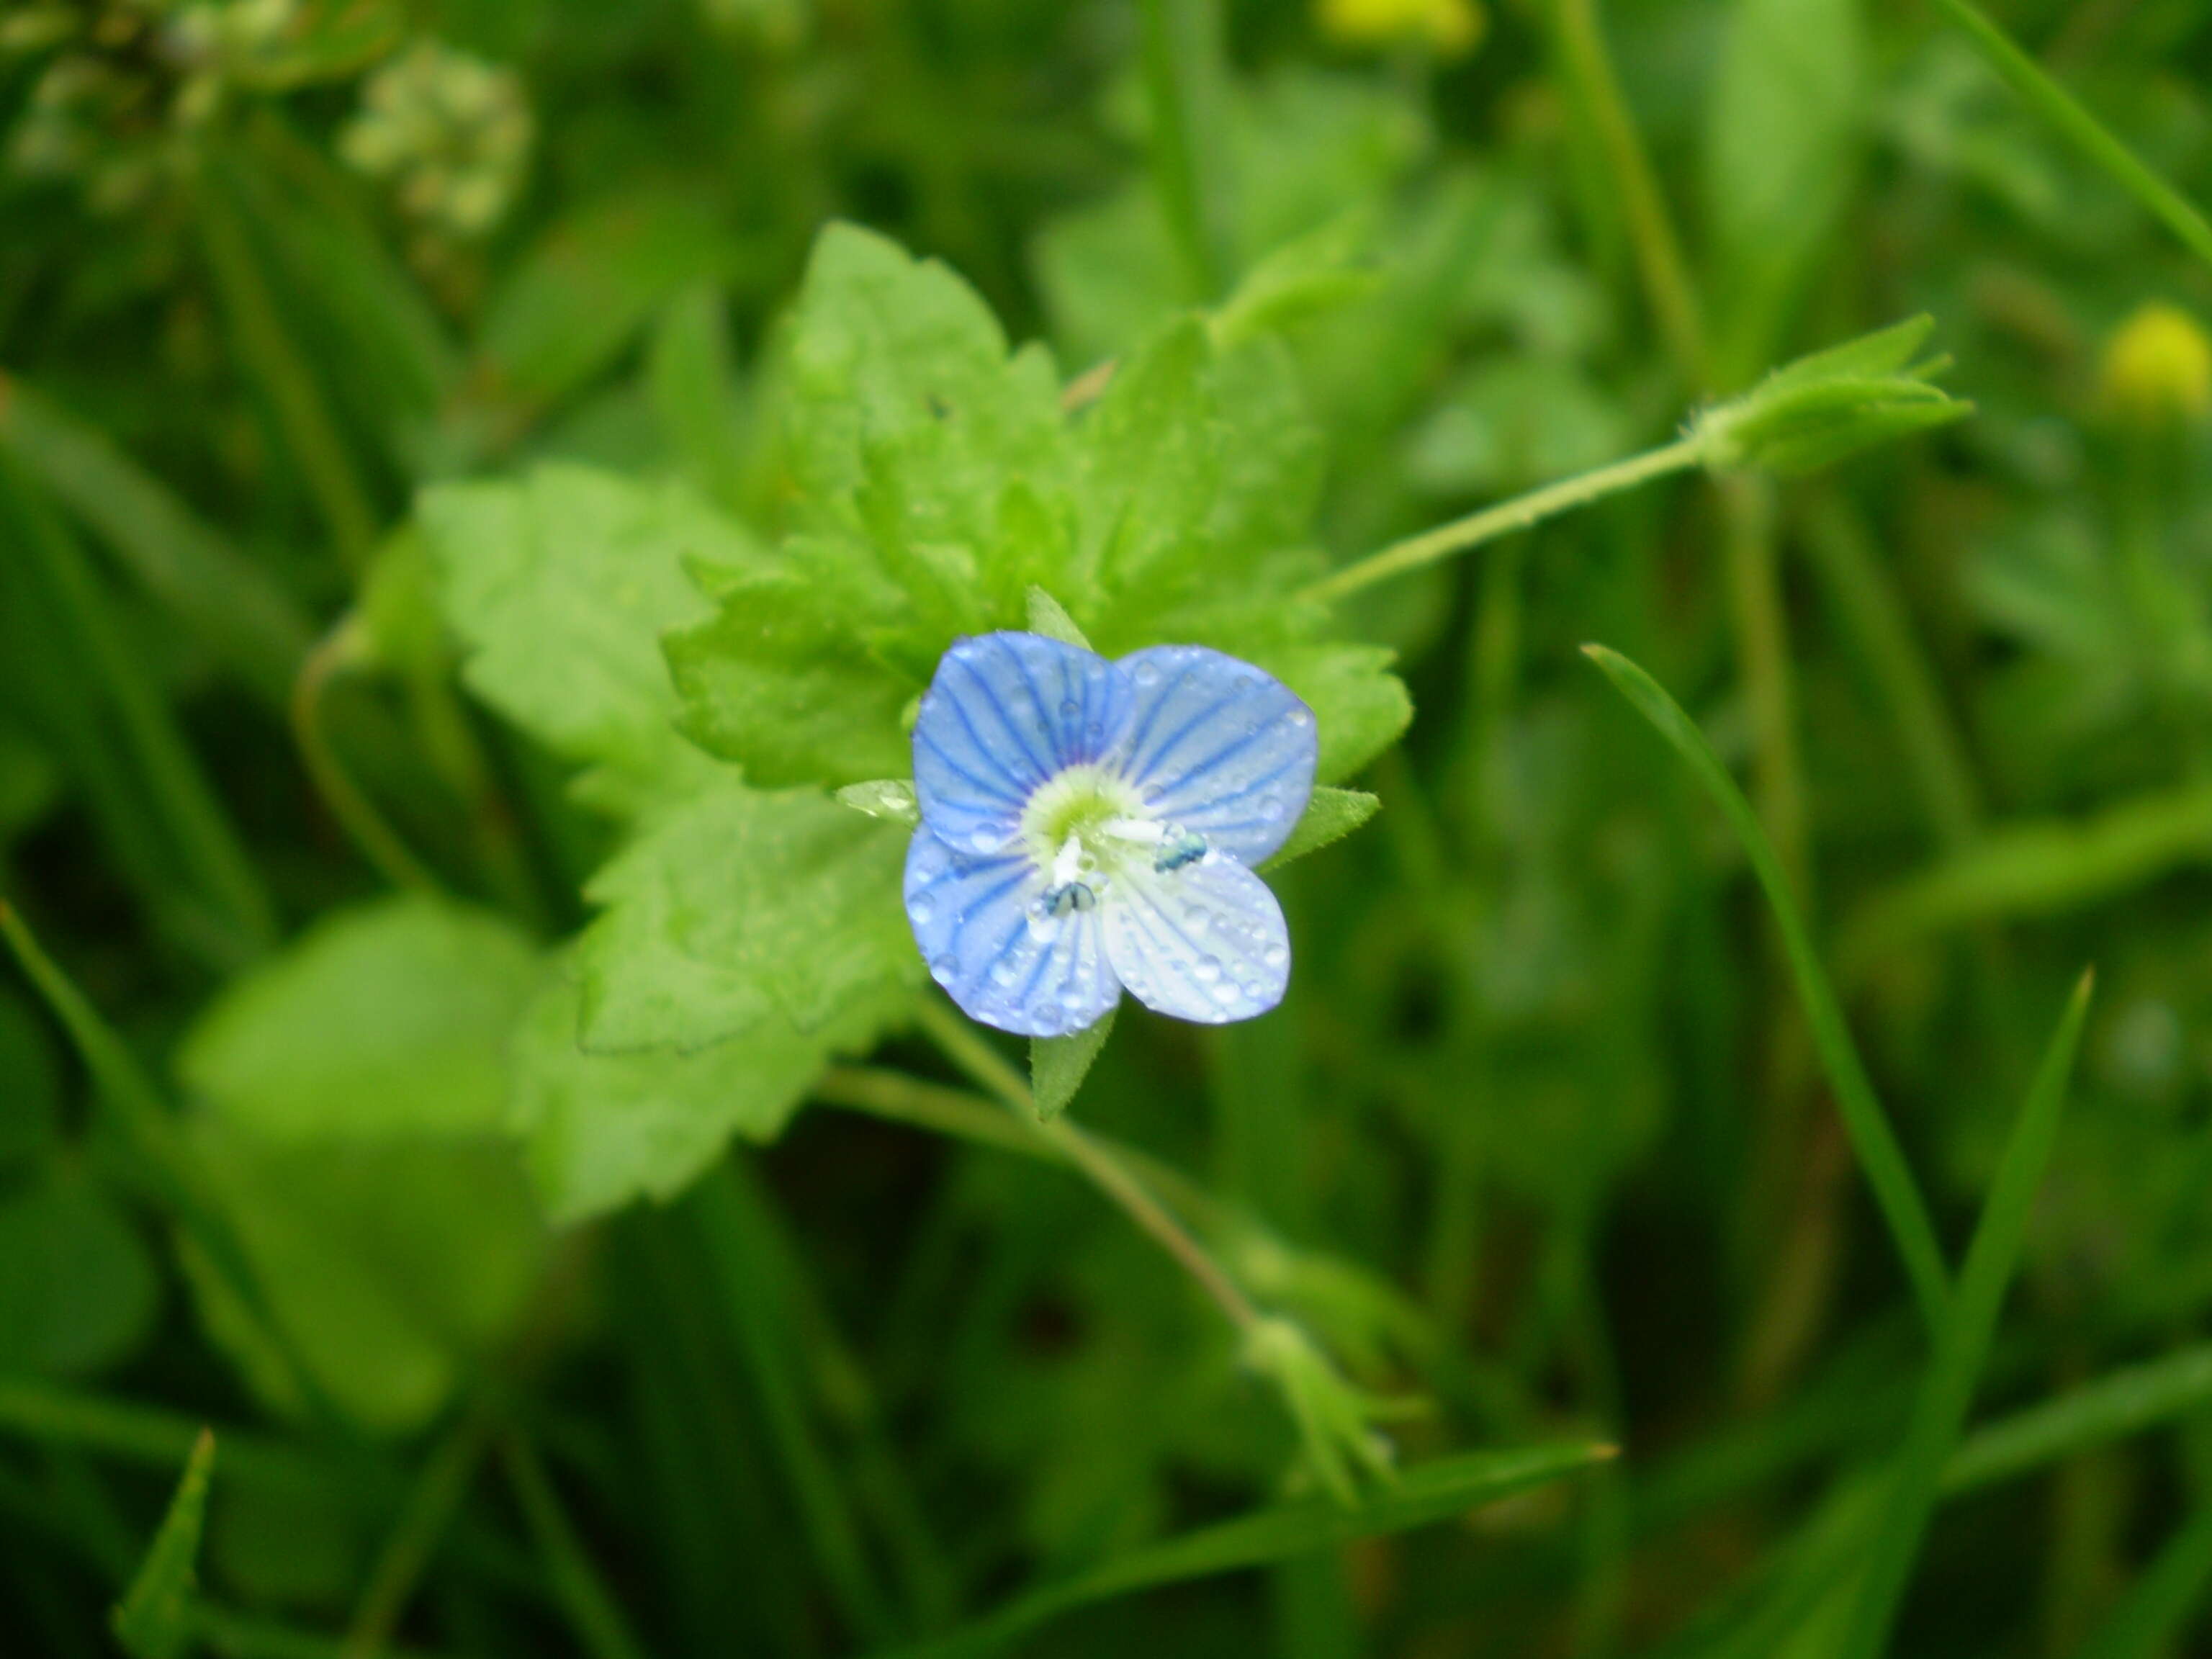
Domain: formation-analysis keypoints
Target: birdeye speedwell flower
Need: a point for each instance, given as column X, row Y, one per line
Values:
column 1089, row 826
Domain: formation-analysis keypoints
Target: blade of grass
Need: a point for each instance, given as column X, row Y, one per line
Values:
column 593, row 1614
column 2152, row 1614
column 191, row 811
column 223, row 598
column 2107, row 1409
column 1948, row 1390
column 728, row 1212
column 1437, row 1491
column 153, row 1621
column 2096, row 141
column 1875, row 1142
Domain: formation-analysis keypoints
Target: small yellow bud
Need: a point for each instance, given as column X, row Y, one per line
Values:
column 1450, row 28
column 2158, row 366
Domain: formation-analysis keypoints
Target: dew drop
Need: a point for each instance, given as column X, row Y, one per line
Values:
column 1146, row 673
column 1271, row 809
column 1224, row 992
column 1299, row 718
column 1206, row 970
column 987, row 839
column 1002, row 972
column 920, row 912
column 1070, row 709
column 1072, row 999
column 1275, row 956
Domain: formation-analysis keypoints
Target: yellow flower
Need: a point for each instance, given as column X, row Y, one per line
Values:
column 2157, row 367
column 1448, row 28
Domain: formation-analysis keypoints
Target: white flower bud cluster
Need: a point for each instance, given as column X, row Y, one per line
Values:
column 451, row 133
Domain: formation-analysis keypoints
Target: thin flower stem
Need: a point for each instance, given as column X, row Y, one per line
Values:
column 1105, row 1167
column 379, row 842
column 1507, row 517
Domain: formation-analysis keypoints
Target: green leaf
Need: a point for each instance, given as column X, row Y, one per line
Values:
column 2153, row 1614
column 1780, row 146
column 601, row 1130
column 2088, row 136
column 1962, row 1343
column 590, row 286
column 220, row 596
column 741, row 906
column 786, row 680
column 1050, row 617
column 559, row 586
column 154, row 1619
column 1437, row 1491
column 30, row 1104
column 1819, row 409
column 1330, row 816
column 693, row 378
column 1360, row 708
column 78, row 1287
column 2122, row 1403
column 383, row 1022
column 392, row 1268
column 1059, row 1065
column 1895, row 1191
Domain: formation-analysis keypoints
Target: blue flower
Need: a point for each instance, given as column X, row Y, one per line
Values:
column 1089, row 826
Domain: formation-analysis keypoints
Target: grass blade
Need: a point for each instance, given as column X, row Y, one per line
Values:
column 1948, row 1390
column 222, row 597
column 1875, row 1142
column 154, row 1619
column 2104, row 1410
column 2083, row 130
column 593, row 1615
column 2150, row 1615
column 1437, row 1491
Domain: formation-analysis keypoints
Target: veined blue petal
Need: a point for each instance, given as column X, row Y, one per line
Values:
column 1205, row 942
column 1218, row 747
column 1005, row 713
column 1007, row 958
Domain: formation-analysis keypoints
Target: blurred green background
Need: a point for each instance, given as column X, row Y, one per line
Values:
column 1541, row 1136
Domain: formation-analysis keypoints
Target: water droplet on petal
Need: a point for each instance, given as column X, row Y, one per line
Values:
column 1224, row 992
column 1271, row 809
column 987, row 839
column 921, row 911
column 1146, row 673
column 1300, row 718
column 1002, row 972
column 1208, row 970
column 1275, row 956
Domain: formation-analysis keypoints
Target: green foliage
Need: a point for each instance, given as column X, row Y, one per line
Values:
column 1059, row 1065
column 383, row 1023
column 154, row 1619
column 78, row 1287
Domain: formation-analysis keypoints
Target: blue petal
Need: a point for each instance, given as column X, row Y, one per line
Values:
column 1219, row 747
column 1006, row 962
column 1205, row 942
column 1005, row 712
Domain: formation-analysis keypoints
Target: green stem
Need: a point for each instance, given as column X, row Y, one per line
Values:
column 1506, row 517
column 437, row 1497
column 379, row 842
column 592, row 1612
column 1104, row 1167
column 2088, row 134
column 1665, row 274
column 1763, row 637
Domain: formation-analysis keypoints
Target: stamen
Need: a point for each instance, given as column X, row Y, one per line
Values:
column 1068, row 863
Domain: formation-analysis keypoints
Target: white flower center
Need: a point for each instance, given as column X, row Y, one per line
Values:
column 1088, row 826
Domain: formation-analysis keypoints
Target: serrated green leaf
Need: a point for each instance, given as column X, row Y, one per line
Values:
column 1059, row 1065
column 154, row 1619
column 738, row 907
column 1437, row 1491
column 1819, row 409
column 785, row 679
column 561, row 585
column 1330, row 816
column 1360, row 708
column 601, row 1130
column 387, row 1021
